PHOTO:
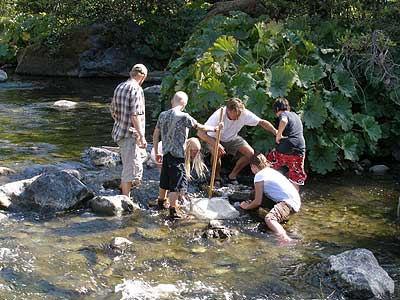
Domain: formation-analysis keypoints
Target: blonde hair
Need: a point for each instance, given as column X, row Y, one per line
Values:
column 198, row 164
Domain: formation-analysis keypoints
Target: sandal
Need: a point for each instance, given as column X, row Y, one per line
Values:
column 159, row 203
column 233, row 181
column 176, row 214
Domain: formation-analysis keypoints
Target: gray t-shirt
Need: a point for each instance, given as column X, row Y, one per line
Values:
column 173, row 125
column 294, row 144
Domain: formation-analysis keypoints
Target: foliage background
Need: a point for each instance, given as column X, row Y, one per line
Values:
column 337, row 61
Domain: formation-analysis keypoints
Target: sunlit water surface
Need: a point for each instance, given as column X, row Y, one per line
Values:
column 65, row 257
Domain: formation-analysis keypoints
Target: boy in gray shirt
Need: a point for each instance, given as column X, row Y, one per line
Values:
column 173, row 125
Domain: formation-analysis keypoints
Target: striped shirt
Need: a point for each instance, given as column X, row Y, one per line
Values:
column 128, row 101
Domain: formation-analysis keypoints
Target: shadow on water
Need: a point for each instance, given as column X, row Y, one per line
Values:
column 63, row 257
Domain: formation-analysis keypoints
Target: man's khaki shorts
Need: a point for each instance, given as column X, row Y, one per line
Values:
column 233, row 146
column 132, row 162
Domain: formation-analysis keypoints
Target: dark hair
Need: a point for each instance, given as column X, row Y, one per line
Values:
column 259, row 160
column 281, row 104
column 235, row 104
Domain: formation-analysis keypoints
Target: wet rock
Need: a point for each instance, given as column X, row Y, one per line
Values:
column 379, row 169
column 239, row 196
column 358, row 273
column 56, row 191
column 65, row 104
column 214, row 208
column 216, row 230
column 103, row 157
column 365, row 163
column 112, row 183
column 3, row 76
column 120, row 244
column 6, row 171
column 35, row 170
column 112, row 205
column 14, row 189
column 4, row 201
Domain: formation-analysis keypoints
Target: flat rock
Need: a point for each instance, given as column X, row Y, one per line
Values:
column 216, row 208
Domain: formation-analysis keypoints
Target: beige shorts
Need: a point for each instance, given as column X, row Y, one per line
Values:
column 132, row 160
column 233, row 146
column 280, row 212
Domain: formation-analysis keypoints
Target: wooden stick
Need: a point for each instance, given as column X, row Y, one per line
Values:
column 214, row 166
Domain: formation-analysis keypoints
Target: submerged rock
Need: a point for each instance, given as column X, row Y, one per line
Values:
column 358, row 273
column 112, row 205
column 120, row 244
column 65, row 104
column 215, row 229
column 379, row 169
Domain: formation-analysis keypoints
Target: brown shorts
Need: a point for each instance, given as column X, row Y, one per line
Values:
column 280, row 212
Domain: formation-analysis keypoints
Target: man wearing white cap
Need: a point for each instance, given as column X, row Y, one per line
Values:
column 128, row 112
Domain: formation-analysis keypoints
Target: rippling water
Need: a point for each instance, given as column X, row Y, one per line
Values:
column 65, row 257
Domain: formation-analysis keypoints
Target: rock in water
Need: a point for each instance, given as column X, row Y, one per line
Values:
column 3, row 76
column 360, row 276
column 216, row 208
column 65, row 104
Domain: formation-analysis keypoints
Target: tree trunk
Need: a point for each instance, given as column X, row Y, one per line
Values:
column 252, row 7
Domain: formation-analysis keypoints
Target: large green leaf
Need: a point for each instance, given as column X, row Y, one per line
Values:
column 340, row 108
column 349, row 146
column 243, row 82
column 281, row 81
column 370, row 126
column 258, row 101
column 315, row 113
column 323, row 159
column 309, row 74
column 344, row 82
column 224, row 45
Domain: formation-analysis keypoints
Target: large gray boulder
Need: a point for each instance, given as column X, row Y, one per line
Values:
column 3, row 76
column 53, row 192
column 14, row 189
column 359, row 275
column 112, row 205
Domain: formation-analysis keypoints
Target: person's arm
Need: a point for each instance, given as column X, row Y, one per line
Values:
column 136, row 122
column 209, row 140
column 207, row 128
column 257, row 201
column 268, row 126
column 282, row 124
column 156, row 138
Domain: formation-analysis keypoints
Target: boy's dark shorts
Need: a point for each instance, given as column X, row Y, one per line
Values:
column 173, row 174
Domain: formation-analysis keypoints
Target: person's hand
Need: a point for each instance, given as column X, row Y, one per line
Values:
column 221, row 150
column 245, row 204
column 159, row 158
column 220, row 125
column 142, row 142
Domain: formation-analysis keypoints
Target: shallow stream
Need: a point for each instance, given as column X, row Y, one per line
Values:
column 65, row 257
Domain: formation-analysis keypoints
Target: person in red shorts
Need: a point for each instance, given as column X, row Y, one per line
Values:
column 291, row 146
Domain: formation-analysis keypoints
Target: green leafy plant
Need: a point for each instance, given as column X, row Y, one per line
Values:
column 259, row 60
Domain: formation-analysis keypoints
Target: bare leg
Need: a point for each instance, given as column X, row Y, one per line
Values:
column 162, row 194
column 173, row 197
column 277, row 229
column 126, row 188
column 247, row 152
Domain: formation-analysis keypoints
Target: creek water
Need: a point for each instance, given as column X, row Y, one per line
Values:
column 64, row 257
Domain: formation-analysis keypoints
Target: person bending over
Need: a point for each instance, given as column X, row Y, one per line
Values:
column 269, row 183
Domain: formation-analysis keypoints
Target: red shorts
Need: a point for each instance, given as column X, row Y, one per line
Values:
column 295, row 163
